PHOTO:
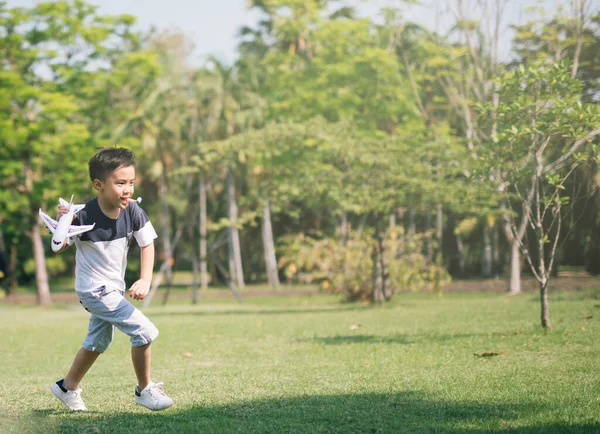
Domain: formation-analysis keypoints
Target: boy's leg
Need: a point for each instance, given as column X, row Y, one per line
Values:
column 113, row 308
column 141, row 357
column 67, row 389
column 82, row 363
column 98, row 339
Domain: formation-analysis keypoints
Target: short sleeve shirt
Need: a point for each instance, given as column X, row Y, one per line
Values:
column 101, row 257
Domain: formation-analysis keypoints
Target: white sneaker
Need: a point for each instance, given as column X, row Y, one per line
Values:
column 70, row 398
column 153, row 397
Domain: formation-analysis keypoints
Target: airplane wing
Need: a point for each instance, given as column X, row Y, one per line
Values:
column 77, row 230
column 75, row 208
column 48, row 221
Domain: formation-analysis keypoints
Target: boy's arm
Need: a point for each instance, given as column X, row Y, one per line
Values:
column 139, row 290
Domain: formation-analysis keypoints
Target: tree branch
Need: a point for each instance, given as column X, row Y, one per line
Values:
column 559, row 163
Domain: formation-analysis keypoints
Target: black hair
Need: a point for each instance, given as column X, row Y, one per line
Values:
column 108, row 160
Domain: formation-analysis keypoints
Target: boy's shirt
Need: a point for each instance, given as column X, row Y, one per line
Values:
column 101, row 257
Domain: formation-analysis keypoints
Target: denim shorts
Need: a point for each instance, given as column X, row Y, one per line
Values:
column 110, row 309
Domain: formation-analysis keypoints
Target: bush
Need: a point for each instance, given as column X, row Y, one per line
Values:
column 347, row 269
column 55, row 264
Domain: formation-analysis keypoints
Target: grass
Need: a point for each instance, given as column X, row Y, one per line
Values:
column 311, row 364
column 182, row 281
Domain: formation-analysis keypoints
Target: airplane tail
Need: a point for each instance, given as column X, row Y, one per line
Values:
column 70, row 205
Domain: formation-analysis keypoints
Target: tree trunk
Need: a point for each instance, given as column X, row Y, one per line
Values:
column 157, row 277
column 195, row 267
column 156, row 281
column 230, row 283
column 12, row 270
column 392, row 247
column 579, row 12
column 440, row 233
column 428, row 238
column 269, row 246
column 41, row 273
column 515, row 268
column 377, row 283
column 496, row 266
column 544, row 301
column 3, row 253
column 164, row 226
column 344, row 228
column 402, row 238
column 235, row 254
column 486, row 257
column 514, row 240
column 460, row 249
column 386, row 284
column 412, row 227
column 203, row 235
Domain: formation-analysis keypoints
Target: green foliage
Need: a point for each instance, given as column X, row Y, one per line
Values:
column 55, row 265
column 325, row 115
column 333, row 68
column 548, row 39
column 340, row 268
column 540, row 111
column 347, row 268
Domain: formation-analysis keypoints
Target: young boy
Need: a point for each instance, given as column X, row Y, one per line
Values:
column 99, row 278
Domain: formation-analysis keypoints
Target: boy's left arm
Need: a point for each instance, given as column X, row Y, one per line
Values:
column 139, row 290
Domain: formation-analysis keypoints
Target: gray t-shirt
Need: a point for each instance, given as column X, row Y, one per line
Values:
column 101, row 257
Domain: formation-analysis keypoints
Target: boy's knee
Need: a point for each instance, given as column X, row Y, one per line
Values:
column 145, row 335
column 99, row 338
column 98, row 347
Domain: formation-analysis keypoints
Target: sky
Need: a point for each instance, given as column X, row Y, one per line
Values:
column 213, row 25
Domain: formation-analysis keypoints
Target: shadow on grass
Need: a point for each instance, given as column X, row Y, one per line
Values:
column 374, row 339
column 358, row 339
column 300, row 310
column 402, row 412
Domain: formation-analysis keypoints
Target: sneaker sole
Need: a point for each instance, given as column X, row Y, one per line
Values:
column 57, row 392
column 154, row 409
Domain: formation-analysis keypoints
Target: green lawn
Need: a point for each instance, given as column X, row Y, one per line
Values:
column 311, row 364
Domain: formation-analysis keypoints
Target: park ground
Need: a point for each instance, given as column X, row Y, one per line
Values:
column 463, row 362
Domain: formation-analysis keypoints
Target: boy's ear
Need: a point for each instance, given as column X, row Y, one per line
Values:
column 97, row 184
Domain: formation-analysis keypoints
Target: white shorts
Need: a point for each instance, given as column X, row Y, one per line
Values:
column 110, row 309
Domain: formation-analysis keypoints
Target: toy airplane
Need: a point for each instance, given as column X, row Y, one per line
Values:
column 63, row 229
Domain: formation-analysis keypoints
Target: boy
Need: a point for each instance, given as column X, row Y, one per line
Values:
column 99, row 278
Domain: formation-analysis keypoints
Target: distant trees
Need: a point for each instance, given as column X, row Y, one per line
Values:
column 46, row 139
column 335, row 150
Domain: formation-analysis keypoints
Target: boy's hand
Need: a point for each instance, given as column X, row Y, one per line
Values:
column 139, row 290
column 62, row 210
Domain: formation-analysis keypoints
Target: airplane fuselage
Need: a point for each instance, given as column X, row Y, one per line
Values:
column 62, row 230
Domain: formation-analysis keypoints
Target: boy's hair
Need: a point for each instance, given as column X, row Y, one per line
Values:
column 108, row 160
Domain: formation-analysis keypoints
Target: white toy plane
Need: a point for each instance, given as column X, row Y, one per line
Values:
column 63, row 229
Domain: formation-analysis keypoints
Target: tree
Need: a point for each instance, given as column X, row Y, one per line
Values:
column 44, row 133
column 573, row 33
column 544, row 132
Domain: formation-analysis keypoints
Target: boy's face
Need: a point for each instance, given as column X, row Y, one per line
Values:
column 117, row 188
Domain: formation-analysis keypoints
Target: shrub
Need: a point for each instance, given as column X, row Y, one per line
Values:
column 55, row 264
column 347, row 269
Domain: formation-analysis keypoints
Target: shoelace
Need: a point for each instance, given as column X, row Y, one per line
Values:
column 157, row 389
column 77, row 396
column 77, row 392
